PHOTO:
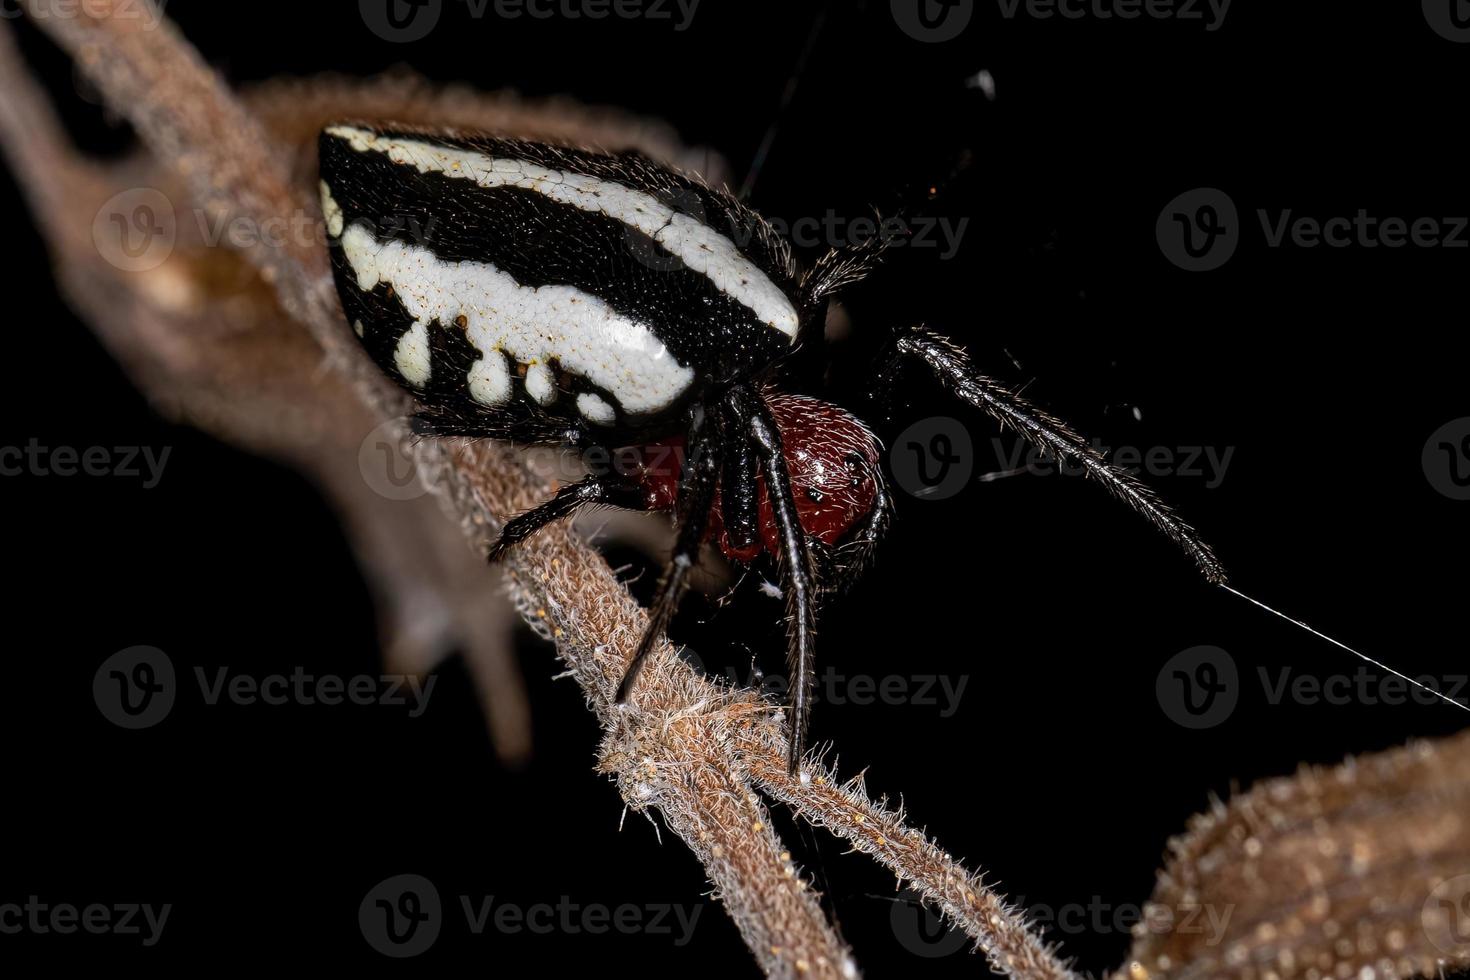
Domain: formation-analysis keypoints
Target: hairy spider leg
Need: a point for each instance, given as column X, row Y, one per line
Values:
column 951, row 367
column 696, row 494
column 592, row 491
column 798, row 575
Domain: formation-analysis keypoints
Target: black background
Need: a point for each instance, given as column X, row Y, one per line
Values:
column 1324, row 369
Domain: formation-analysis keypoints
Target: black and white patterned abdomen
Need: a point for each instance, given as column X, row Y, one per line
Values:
column 480, row 271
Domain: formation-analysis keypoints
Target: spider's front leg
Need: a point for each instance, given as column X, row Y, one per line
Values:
column 799, row 580
column 951, row 367
column 607, row 491
column 696, row 494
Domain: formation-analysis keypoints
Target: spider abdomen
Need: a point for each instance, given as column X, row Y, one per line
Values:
column 599, row 288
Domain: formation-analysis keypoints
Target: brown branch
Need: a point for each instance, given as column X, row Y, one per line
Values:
column 845, row 810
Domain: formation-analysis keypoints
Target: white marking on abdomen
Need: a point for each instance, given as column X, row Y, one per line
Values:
column 540, row 385
column 490, row 379
column 331, row 211
column 532, row 324
column 412, row 354
column 697, row 245
column 594, row 409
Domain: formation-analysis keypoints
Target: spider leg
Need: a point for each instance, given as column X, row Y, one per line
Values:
column 739, row 492
column 797, row 571
column 852, row 558
column 952, row 368
column 592, row 491
column 696, row 494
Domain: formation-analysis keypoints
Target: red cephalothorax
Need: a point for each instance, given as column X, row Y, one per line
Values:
column 833, row 461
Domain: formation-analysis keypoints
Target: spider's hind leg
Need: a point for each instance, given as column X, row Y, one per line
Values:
column 951, row 367
column 696, row 494
column 590, row 492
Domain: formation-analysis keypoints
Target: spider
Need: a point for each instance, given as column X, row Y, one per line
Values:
column 545, row 294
